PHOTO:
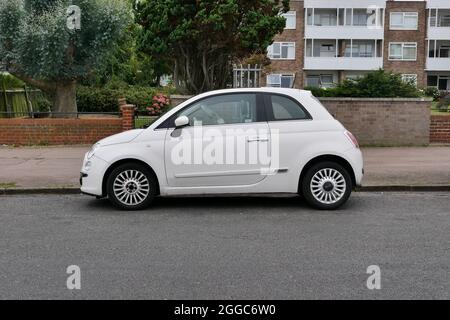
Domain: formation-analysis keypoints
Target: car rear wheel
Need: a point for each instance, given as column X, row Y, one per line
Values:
column 131, row 187
column 327, row 186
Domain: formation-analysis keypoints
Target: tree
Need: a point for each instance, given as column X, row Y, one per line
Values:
column 200, row 39
column 125, row 64
column 37, row 46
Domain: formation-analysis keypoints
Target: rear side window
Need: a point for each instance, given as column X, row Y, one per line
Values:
column 282, row 108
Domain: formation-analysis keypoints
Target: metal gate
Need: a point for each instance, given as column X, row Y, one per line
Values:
column 248, row 76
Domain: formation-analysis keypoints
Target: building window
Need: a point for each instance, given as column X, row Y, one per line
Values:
column 444, row 52
column 360, row 49
column 282, row 50
column 323, row 81
column 280, row 80
column 410, row 78
column 439, row 81
column 403, row 51
column 325, row 17
column 439, row 17
column 291, row 20
column 344, row 17
column 432, row 81
column 404, row 20
column 360, row 17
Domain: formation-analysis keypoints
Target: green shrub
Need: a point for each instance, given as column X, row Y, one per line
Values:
column 93, row 99
column 10, row 81
column 444, row 101
column 42, row 104
column 317, row 92
column 432, row 92
column 376, row 84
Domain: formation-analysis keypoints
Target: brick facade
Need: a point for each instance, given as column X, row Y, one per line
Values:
column 389, row 35
column 297, row 36
column 63, row 131
column 440, row 129
column 418, row 36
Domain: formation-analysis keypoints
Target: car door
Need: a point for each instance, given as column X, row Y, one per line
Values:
column 290, row 127
column 227, row 143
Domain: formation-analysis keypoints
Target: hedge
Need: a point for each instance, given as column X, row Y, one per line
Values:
column 93, row 99
column 376, row 84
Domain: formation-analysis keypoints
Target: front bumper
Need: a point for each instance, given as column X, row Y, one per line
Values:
column 91, row 180
column 83, row 175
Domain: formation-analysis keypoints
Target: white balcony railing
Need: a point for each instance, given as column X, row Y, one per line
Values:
column 439, row 33
column 438, row 64
column 350, row 32
column 348, row 3
column 343, row 63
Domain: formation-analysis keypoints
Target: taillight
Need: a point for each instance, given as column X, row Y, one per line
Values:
column 352, row 138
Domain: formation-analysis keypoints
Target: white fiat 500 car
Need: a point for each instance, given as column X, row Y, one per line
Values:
column 238, row 141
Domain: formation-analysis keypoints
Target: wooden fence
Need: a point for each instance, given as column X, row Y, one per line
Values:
column 18, row 102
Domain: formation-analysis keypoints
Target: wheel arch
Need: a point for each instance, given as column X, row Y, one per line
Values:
column 124, row 161
column 328, row 157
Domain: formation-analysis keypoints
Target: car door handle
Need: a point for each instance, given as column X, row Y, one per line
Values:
column 257, row 139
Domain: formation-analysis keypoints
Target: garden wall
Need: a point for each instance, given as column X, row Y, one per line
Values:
column 383, row 122
column 54, row 131
column 378, row 121
column 375, row 122
column 440, row 129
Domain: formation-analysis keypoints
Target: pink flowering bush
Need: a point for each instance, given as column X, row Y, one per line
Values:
column 158, row 104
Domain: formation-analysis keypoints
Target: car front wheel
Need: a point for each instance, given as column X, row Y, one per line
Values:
column 131, row 187
column 327, row 186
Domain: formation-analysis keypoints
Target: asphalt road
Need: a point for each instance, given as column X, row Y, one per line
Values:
column 226, row 248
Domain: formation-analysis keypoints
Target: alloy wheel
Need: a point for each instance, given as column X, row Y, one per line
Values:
column 131, row 187
column 328, row 186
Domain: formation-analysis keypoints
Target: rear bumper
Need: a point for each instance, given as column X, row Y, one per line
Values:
column 356, row 160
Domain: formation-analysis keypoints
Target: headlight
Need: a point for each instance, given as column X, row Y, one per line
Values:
column 92, row 151
column 87, row 166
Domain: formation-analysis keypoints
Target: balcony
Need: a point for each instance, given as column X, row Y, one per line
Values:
column 325, row 23
column 439, row 24
column 343, row 54
column 438, row 64
column 354, row 32
column 343, row 63
column 438, row 55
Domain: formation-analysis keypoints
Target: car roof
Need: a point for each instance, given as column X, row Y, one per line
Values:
column 287, row 91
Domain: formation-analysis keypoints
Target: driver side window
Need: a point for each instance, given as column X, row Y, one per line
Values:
column 224, row 109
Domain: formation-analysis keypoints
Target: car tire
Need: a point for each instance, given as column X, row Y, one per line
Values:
column 326, row 186
column 131, row 187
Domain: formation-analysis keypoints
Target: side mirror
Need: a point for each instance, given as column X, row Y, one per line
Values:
column 181, row 122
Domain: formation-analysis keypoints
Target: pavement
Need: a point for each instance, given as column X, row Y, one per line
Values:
column 226, row 248
column 59, row 167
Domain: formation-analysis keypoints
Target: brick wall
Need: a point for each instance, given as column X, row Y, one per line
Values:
column 440, row 129
column 407, row 67
column 63, row 131
column 383, row 122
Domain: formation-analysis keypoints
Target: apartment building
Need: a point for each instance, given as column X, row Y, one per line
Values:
column 327, row 41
